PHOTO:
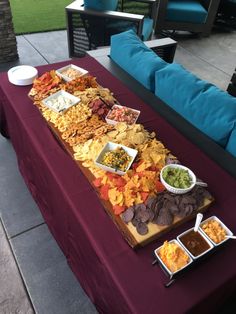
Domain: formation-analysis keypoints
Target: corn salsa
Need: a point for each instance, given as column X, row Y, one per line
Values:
column 117, row 159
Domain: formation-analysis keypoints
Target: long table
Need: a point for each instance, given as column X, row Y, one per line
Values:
column 115, row 277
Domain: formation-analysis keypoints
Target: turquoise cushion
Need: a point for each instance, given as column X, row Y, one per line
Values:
column 119, row 26
column 201, row 103
column 231, row 145
column 147, row 28
column 101, row 5
column 132, row 55
column 190, row 11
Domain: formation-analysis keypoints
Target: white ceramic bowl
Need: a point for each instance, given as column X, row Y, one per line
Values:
column 172, row 189
column 156, row 252
column 22, row 75
column 80, row 71
column 114, row 122
column 227, row 230
column 48, row 101
column 112, row 146
column 186, row 249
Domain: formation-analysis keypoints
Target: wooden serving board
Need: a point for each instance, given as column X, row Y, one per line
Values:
column 128, row 231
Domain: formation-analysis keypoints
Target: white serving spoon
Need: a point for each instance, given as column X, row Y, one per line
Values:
column 200, row 183
column 198, row 221
column 230, row 237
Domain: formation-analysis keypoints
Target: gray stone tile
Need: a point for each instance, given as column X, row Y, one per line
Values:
column 18, row 210
column 13, row 296
column 52, row 45
column 218, row 50
column 51, row 285
column 201, row 68
column 27, row 55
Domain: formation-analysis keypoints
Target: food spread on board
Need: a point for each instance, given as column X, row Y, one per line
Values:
column 136, row 200
column 142, row 185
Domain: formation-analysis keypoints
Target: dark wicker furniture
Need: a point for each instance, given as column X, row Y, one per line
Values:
column 232, row 85
column 88, row 29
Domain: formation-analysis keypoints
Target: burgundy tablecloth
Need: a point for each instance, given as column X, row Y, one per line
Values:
column 116, row 278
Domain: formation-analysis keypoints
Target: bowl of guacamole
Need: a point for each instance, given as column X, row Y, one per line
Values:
column 177, row 179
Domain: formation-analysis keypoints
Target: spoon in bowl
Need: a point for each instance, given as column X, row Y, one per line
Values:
column 200, row 183
column 230, row 237
column 198, row 221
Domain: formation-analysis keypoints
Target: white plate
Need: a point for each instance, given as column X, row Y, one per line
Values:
column 163, row 264
column 81, row 72
column 228, row 232
column 22, row 75
column 114, row 122
column 186, row 249
column 64, row 94
column 112, row 146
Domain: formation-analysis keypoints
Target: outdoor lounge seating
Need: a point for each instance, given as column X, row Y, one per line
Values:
column 195, row 16
column 208, row 108
column 232, row 85
column 226, row 15
column 90, row 24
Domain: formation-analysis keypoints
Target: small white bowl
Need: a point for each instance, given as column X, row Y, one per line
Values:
column 112, row 146
column 80, row 71
column 228, row 231
column 22, row 75
column 172, row 189
column 204, row 237
column 114, row 122
column 63, row 93
column 163, row 264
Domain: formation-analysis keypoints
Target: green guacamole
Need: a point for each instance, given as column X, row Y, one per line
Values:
column 177, row 177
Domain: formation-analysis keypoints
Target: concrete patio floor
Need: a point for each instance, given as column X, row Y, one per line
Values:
column 34, row 273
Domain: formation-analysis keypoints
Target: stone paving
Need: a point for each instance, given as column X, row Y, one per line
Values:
column 13, row 296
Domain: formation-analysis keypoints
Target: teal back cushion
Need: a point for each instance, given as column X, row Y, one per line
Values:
column 119, row 26
column 132, row 55
column 101, row 5
column 231, row 145
column 204, row 105
column 190, row 11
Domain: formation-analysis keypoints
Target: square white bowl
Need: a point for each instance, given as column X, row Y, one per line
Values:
column 112, row 146
column 114, row 122
column 81, row 72
column 228, row 231
column 204, row 237
column 63, row 93
column 163, row 264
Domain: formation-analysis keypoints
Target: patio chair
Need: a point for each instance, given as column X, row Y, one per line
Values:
column 90, row 27
column 227, row 14
column 196, row 16
column 232, row 85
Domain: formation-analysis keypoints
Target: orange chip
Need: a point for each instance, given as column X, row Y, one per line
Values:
column 159, row 187
column 104, row 191
column 97, row 182
column 118, row 209
column 144, row 196
column 119, row 182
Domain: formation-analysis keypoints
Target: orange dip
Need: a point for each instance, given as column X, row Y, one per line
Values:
column 173, row 256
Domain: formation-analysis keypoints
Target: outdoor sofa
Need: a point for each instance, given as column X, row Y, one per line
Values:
column 200, row 110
